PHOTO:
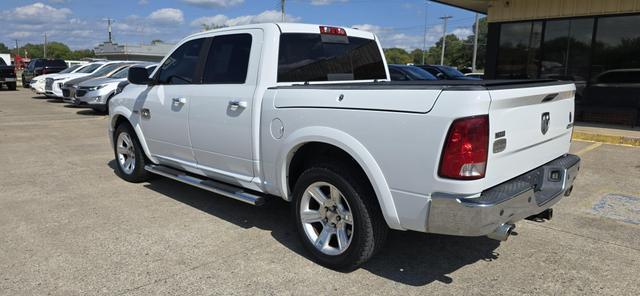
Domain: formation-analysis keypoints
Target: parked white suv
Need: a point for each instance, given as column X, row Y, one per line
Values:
column 306, row 113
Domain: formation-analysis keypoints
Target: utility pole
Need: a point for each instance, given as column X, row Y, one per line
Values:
column 109, row 22
column 282, row 9
column 424, row 42
column 475, row 45
column 444, row 37
column 45, row 45
column 17, row 47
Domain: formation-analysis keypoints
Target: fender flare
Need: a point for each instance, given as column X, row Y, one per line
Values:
column 351, row 146
column 121, row 111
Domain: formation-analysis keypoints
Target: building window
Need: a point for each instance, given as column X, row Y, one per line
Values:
column 617, row 44
column 566, row 49
column 519, row 50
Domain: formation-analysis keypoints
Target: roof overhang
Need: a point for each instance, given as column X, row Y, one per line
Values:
column 480, row 6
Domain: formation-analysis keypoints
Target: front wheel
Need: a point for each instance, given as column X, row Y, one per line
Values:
column 11, row 86
column 337, row 216
column 130, row 158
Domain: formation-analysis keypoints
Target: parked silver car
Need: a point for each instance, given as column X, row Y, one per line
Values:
column 95, row 93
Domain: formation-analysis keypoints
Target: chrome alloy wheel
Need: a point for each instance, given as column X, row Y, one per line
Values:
column 126, row 153
column 326, row 218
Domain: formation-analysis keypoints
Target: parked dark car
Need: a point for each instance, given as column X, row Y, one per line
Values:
column 408, row 73
column 7, row 75
column 39, row 67
column 445, row 72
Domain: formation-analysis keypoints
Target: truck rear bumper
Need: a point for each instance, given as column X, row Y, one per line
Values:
column 506, row 203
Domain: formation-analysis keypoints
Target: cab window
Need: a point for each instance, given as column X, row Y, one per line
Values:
column 180, row 66
column 228, row 59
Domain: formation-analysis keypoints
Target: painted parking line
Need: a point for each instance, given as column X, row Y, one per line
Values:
column 589, row 148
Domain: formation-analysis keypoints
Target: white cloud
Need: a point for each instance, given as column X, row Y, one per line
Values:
column 213, row 3
column 326, row 2
column 37, row 13
column 167, row 16
column 20, row 34
column 268, row 16
column 143, row 2
column 462, row 33
column 392, row 37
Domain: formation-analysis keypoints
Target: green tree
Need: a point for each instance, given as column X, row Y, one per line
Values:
column 3, row 48
column 56, row 50
column 397, row 56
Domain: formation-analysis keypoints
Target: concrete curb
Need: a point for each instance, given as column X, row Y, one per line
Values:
column 609, row 139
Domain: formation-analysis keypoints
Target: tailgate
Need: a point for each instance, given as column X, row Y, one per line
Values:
column 528, row 127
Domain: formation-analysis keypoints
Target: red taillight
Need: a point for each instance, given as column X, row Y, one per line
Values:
column 464, row 156
column 332, row 31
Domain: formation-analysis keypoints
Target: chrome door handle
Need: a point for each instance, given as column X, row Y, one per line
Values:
column 179, row 101
column 235, row 104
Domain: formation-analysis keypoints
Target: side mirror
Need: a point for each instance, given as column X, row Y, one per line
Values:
column 138, row 75
column 440, row 76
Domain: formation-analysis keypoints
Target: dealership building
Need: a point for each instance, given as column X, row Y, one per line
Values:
column 595, row 43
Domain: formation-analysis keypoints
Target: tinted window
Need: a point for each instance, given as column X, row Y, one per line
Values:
column 304, row 57
column 106, row 70
column 567, row 46
column 122, row 73
column 451, row 72
column 419, row 73
column 89, row 68
column 150, row 69
column 2, row 63
column 617, row 44
column 56, row 63
column 228, row 59
column 396, row 75
column 519, row 49
column 432, row 71
column 180, row 66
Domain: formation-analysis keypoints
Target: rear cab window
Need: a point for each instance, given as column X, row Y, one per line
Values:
column 307, row 57
column 55, row 63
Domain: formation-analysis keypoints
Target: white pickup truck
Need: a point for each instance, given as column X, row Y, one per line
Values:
column 307, row 113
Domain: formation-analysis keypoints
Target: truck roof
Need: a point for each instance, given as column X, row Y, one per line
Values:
column 286, row 28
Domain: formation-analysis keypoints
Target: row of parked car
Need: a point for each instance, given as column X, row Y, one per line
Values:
column 428, row 72
column 90, row 85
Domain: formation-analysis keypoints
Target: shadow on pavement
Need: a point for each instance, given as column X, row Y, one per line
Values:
column 90, row 112
column 410, row 258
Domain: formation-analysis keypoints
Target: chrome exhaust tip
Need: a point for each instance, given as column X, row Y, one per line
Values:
column 502, row 233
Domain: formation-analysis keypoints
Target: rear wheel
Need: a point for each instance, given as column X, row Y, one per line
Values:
column 337, row 216
column 130, row 158
column 24, row 82
column 11, row 86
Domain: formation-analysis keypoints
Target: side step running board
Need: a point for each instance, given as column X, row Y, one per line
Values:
column 206, row 184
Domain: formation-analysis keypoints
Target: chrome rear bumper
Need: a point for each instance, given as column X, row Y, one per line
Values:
column 506, row 203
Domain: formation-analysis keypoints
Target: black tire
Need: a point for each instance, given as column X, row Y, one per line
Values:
column 137, row 174
column 24, row 83
column 11, row 86
column 369, row 227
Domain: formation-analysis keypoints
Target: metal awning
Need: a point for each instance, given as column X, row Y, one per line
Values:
column 481, row 6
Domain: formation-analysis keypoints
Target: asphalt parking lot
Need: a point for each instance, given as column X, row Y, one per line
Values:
column 70, row 226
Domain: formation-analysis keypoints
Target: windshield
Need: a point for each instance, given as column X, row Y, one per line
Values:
column 106, row 70
column 89, row 68
column 450, row 71
column 419, row 73
column 122, row 73
column 70, row 69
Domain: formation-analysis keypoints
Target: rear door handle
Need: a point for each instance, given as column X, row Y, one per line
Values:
column 179, row 101
column 235, row 104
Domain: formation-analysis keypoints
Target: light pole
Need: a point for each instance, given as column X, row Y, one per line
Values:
column 45, row 45
column 282, row 9
column 444, row 37
column 424, row 42
column 475, row 45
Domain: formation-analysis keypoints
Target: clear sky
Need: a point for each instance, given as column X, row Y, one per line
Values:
column 82, row 24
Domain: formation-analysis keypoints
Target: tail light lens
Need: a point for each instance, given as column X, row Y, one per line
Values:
column 464, row 156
